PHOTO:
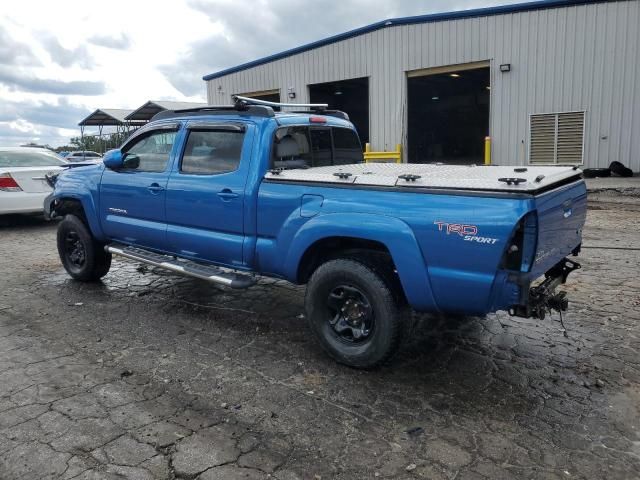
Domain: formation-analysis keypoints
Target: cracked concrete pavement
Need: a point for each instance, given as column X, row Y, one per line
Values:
column 152, row 376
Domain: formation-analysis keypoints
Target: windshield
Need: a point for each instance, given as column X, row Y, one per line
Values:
column 28, row 159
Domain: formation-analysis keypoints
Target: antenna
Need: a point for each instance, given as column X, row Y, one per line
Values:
column 238, row 100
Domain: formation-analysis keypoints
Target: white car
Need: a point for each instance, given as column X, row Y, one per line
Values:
column 83, row 156
column 23, row 183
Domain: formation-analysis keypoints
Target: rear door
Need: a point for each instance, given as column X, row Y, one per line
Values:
column 206, row 193
column 132, row 200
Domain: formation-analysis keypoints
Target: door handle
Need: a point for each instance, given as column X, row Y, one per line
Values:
column 155, row 188
column 227, row 195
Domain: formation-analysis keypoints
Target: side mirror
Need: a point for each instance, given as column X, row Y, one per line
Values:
column 113, row 159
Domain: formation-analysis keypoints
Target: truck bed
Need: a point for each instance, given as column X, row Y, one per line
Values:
column 530, row 179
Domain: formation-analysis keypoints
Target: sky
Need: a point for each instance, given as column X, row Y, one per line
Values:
column 61, row 60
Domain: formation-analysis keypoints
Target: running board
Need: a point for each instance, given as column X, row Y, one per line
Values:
column 185, row 267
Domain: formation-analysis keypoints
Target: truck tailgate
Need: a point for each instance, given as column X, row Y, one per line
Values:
column 561, row 215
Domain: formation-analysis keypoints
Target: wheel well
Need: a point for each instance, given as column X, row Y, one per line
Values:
column 372, row 253
column 65, row 206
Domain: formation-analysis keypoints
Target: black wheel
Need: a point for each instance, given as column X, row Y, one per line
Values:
column 82, row 256
column 353, row 313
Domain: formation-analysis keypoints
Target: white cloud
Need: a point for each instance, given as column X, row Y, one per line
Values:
column 61, row 60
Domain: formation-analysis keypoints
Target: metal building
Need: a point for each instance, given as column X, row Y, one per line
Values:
column 553, row 81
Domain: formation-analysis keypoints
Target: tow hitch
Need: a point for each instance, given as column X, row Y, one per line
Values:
column 543, row 298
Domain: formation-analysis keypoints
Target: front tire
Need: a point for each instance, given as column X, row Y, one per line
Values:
column 82, row 256
column 353, row 313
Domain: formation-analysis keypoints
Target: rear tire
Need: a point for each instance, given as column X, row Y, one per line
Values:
column 82, row 256
column 596, row 172
column 353, row 313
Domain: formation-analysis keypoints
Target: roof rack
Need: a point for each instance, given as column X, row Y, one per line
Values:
column 256, row 110
column 254, row 101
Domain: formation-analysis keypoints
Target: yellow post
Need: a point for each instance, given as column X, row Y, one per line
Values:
column 487, row 150
column 367, row 147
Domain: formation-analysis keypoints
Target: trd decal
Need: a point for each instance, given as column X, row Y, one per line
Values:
column 469, row 233
column 457, row 228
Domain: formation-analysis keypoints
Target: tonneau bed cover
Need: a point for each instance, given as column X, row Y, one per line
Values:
column 529, row 179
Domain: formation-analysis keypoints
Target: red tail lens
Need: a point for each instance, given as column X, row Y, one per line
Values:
column 316, row 119
column 8, row 184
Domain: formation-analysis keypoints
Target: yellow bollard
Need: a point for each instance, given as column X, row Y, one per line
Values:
column 487, row 150
column 394, row 156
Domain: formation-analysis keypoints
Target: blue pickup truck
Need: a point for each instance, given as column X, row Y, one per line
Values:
column 225, row 194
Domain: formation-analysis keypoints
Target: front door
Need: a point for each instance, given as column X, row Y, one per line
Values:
column 132, row 199
column 206, row 193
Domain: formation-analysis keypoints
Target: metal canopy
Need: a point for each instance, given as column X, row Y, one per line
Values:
column 108, row 117
column 149, row 109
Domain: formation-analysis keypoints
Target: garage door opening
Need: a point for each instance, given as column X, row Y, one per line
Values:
column 448, row 116
column 350, row 96
column 267, row 95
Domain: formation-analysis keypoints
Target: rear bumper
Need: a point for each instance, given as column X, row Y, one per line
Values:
column 21, row 202
column 537, row 301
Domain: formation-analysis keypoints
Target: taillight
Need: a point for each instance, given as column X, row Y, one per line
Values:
column 521, row 249
column 8, row 184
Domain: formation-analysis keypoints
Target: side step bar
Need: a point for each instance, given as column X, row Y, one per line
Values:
column 185, row 267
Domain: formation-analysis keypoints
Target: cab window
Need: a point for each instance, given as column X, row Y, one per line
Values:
column 211, row 152
column 152, row 151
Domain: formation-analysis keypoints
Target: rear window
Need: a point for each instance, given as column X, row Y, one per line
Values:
column 304, row 147
column 29, row 159
column 347, row 148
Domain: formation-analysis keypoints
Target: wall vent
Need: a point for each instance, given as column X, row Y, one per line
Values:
column 556, row 138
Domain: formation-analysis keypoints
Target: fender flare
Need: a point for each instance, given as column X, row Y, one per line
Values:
column 88, row 205
column 393, row 233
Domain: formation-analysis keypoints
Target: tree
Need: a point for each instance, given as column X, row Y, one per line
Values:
column 99, row 144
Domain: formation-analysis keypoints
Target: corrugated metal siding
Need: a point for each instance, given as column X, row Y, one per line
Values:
column 577, row 58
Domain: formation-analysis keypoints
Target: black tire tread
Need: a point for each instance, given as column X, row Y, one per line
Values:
column 384, row 292
column 98, row 260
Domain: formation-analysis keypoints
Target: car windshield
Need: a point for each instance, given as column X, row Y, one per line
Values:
column 28, row 159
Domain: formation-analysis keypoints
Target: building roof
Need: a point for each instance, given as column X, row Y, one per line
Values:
column 106, row 116
column 429, row 18
column 150, row 108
